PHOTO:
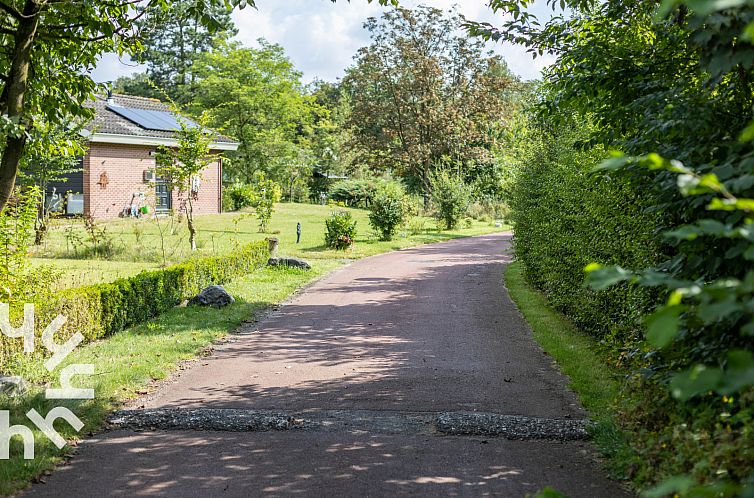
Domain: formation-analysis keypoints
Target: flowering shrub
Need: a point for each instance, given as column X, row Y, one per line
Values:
column 340, row 230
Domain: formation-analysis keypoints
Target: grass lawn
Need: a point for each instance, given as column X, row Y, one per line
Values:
column 137, row 245
column 128, row 363
column 595, row 382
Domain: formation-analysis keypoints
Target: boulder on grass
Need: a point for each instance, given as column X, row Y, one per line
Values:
column 12, row 386
column 289, row 262
column 214, row 295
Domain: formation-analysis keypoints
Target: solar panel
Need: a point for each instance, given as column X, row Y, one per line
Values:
column 151, row 120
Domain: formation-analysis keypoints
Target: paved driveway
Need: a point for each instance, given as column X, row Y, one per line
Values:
column 405, row 374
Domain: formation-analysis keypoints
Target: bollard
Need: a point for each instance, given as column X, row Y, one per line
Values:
column 273, row 243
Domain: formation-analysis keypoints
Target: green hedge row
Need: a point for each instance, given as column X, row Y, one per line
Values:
column 97, row 311
column 566, row 217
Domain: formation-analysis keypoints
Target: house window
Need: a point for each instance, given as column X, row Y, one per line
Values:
column 163, row 197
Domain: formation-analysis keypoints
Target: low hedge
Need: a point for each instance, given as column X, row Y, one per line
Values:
column 97, row 311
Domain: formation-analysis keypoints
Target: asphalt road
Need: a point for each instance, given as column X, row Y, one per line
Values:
column 360, row 365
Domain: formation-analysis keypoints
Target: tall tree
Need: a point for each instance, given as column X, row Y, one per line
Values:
column 49, row 49
column 173, row 38
column 421, row 92
column 256, row 95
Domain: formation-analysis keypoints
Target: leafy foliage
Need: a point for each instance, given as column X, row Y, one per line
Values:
column 389, row 210
column 340, row 230
column 450, row 196
column 420, row 92
column 173, row 39
column 354, row 193
column 678, row 116
column 240, row 195
column 256, row 95
column 266, row 194
column 183, row 164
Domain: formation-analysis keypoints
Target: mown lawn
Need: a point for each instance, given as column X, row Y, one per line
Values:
column 129, row 363
column 136, row 245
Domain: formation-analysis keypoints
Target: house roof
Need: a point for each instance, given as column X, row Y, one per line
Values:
column 110, row 127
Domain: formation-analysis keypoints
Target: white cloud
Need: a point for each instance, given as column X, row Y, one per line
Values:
column 322, row 37
column 110, row 67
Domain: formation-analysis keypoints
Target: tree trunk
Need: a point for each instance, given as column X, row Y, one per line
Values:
column 190, row 221
column 427, row 184
column 15, row 91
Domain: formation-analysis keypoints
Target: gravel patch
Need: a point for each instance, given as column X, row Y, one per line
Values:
column 354, row 421
column 510, row 426
column 204, row 420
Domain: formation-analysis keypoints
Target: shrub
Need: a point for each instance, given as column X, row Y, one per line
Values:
column 389, row 210
column 99, row 310
column 340, row 230
column 266, row 194
column 566, row 217
column 239, row 196
column 451, row 197
column 354, row 193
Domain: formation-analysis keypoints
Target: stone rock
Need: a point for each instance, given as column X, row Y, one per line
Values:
column 290, row 263
column 214, row 295
column 12, row 386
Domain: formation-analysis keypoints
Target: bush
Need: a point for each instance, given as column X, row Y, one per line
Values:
column 341, row 230
column 354, row 193
column 238, row 196
column 97, row 311
column 451, row 197
column 566, row 217
column 389, row 210
column 266, row 193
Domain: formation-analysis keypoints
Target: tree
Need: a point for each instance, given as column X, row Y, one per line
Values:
column 421, row 93
column 266, row 194
column 50, row 47
column 54, row 154
column 256, row 95
column 173, row 38
column 183, row 164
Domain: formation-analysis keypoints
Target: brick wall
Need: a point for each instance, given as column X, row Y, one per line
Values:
column 123, row 166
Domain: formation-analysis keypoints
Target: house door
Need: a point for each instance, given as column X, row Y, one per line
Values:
column 163, row 197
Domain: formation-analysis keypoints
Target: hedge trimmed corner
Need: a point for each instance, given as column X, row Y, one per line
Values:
column 97, row 311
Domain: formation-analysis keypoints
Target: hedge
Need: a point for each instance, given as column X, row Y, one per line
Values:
column 565, row 217
column 97, row 311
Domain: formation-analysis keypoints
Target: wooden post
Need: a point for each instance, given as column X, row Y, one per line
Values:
column 273, row 244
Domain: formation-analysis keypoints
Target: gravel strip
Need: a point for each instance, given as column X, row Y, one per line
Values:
column 204, row 420
column 354, row 421
column 510, row 426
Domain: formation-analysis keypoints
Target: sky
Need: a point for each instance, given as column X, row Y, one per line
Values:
column 322, row 37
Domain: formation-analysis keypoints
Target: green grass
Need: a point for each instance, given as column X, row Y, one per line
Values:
column 595, row 382
column 138, row 244
column 130, row 362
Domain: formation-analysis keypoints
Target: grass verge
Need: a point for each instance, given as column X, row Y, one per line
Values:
column 595, row 382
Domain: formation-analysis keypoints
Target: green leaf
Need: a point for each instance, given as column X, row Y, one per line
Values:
column 599, row 277
column 698, row 380
column 663, row 324
column 672, row 485
column 714, row 311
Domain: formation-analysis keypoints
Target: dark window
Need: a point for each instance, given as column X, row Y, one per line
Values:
column 163, row 199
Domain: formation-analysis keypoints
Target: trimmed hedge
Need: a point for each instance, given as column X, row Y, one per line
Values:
column 97, row 311
column 565, row 217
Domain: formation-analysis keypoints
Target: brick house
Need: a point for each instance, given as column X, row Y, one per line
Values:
column 117, row 176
